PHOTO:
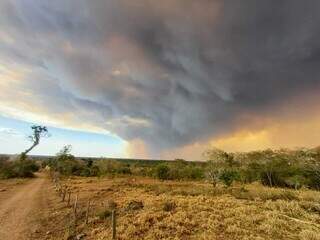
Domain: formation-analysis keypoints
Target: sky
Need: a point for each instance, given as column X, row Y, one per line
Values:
column 160, row 79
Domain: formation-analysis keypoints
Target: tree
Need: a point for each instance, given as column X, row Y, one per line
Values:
column 38, row 133
column 216, row 161
column 213, row 172
column 66, row 163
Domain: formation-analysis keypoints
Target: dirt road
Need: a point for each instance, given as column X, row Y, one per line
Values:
column 20, row 208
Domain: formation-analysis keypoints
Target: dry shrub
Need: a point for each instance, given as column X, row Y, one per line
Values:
column 135, row 205
column 203, row 212
column 169, row 206
column 291, row 209
column 308, row 195
column 264, row 193
column 309, row 235
column 104, row 214
column 313, row 207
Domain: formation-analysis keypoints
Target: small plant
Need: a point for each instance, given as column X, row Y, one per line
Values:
column 135, row 205
column 105, row 214
column 169, row 206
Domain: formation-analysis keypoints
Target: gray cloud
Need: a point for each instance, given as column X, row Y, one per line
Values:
column 169, row 72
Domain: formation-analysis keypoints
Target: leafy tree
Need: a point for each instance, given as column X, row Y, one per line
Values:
column 37, row 134
column 218, row 163
column 66, row 162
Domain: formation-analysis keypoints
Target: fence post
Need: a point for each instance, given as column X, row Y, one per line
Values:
column 69, row 195
column 75, row 205
column 114, row 225
column 64, row 194
column 87, row 212
column 75, row 210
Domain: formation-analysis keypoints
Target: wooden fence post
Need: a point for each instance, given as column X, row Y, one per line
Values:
column 114, row 225
column 75, row 210
column 75, row 205
column 87, row 212
column 69, row 195
column 64, row 194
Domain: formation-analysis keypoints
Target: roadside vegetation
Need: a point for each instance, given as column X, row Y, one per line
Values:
column 269, row 194
column 273, row 168
column 17, row 168
column 21, row 166
column 149, row 208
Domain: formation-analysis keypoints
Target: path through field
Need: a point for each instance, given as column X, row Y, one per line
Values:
column 20, row 208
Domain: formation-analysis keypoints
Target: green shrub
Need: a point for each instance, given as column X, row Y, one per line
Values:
column 194, row 173
column 18, row 169
column 105, row 214
column 124, row 170
column 162, row 172
column 251, row 173
column 107, row 167
column 228, row 176
column 25, row 168
column 312, row 175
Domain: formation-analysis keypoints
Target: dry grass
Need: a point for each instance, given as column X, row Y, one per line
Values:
column 195, row 210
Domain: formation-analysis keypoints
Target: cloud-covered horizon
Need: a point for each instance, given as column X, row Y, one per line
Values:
column 164, row 74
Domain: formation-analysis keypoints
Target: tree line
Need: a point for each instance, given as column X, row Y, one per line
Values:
column 290, row 168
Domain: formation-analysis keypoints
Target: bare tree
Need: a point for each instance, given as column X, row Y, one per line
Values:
column 38, row 133
column 216, row 160
column 213, row 172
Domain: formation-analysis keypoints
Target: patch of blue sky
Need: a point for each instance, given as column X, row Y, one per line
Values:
column 13, row 139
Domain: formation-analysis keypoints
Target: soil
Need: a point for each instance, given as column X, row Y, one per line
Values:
column 22, row 205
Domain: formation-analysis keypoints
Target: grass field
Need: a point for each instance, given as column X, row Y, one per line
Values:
column 186, row 210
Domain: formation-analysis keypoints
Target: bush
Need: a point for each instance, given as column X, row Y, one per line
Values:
column 169, row 206
column 105, row 214
column 251, row 173
column 275, row 172
column 312, row 176
column 18, row 169
column 228, row 176
column 106, row 167
column 134, row 205
column 162, row 172
column 124, row 170
column 194, row 173
column 25, row 168
column 66, row 164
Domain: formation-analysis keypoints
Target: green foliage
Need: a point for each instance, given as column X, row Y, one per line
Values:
column 312, row 175
column 162, row 172
column 21, row 168
column 105, row 214
column 251, row 173
column 194, row 173
column 66, row 164
column 178, row 170
column 112, row 167
column 229, row 176
column 274, row 168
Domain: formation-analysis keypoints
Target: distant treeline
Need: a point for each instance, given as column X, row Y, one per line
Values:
column 275, row 168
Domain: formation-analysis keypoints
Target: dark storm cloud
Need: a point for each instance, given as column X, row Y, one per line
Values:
column 169, row 72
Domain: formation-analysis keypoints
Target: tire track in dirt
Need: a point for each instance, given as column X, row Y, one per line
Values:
column 16, row 212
